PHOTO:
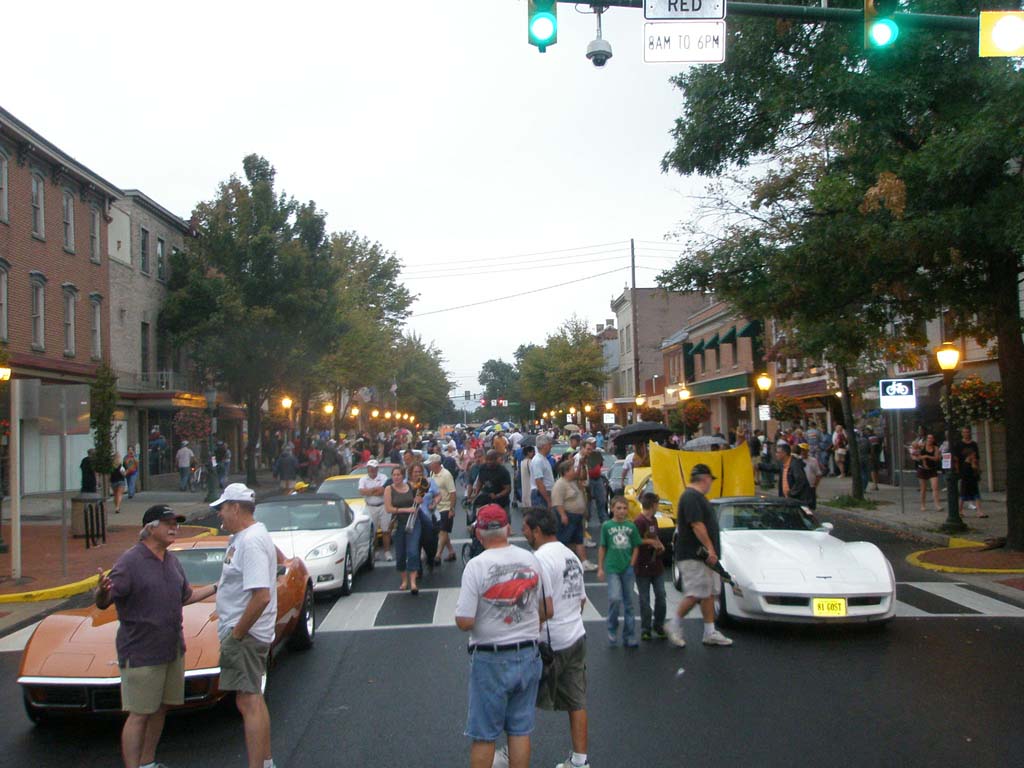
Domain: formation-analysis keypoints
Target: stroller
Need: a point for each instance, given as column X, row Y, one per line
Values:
column 473, row 547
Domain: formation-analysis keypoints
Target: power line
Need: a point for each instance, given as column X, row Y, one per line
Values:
column 515, row 295
column 491, row 259
column 519, row 260
column 553, row 265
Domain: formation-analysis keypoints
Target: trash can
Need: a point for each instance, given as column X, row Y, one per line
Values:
column 93, row 504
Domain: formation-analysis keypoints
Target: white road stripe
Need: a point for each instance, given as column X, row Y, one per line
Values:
column 16, row 640
column 357, row 611
column 444, row 608
column 983, row 604
column 905, row 610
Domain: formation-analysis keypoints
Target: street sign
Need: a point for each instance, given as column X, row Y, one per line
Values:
column 683, row 10
column 533, row 407
column 897, row 394
column 687, row 42
column 764, row 412
column 608, row 418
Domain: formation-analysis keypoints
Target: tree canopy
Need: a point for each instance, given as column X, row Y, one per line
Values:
column 567, row 370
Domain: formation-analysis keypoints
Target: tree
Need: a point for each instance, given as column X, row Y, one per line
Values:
column 501, row 382
column 252, row 295
column 423, row 385
column 567, row 370
column 102, row 404
column 899, row 194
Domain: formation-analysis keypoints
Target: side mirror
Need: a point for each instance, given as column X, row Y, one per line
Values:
column 826, row 527
column 281, row 570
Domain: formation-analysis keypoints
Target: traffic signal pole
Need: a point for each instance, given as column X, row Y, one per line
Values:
column 811, row 14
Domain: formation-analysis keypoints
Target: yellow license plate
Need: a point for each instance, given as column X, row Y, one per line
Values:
column 829, row 606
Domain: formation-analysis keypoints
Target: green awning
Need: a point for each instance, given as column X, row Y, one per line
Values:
column 750, row 329
column 711, row 343
column 697, row 348
column 730, row 336
column 688, row 349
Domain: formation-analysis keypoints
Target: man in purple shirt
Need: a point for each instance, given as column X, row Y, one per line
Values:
column 148, row 587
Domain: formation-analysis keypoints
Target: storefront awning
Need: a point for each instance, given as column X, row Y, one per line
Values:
column 711, row 343
column 730, row 336
column 697, row 348
column 750, row 329
column 725, row 385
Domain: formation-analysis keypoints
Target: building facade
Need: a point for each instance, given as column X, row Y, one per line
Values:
column 54, row 282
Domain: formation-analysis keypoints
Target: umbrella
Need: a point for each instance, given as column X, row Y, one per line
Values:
column 507, row 425
column 704, row 443
column 571, row 428
column 641, row 431
column 530, row 441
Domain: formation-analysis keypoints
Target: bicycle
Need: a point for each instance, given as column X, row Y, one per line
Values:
column 197, row 478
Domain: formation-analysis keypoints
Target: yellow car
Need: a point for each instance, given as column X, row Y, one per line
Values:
column 666, row 514
column 347, row 487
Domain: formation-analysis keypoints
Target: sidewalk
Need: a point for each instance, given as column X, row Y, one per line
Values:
column 42, row 578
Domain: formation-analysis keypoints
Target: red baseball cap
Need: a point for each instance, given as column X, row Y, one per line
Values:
column 491, row 517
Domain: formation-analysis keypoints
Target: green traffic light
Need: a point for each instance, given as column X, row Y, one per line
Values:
column 543, row 27
column 883, row 32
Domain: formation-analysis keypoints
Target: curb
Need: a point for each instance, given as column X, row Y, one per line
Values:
column 914, row 558
column 74, row 588
column 929, row 537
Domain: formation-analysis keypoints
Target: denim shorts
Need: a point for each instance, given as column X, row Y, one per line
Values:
column 502, row 693
column 571, row 533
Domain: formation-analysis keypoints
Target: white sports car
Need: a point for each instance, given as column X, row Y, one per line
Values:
column 332, row 539
column 786, row 567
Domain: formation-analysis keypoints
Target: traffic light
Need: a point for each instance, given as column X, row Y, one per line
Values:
column 1001, row 33
column 880, row 31
column 542, row 23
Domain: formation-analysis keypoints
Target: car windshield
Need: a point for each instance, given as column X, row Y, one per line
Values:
column 752, row 516
column 559, row 449
column 615, row 476
column 203, row 565
column 608, row 460
column 346, row 487
column 385, row 470
column 312, row 515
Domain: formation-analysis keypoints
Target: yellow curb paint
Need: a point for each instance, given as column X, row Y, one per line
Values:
column 955, row 542
column 914, row 558
column 78, row 587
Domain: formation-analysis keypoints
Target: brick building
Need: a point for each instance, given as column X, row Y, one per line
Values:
column 54, row 280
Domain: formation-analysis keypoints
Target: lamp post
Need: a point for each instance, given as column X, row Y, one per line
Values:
column 286, row 403
column 948, row 357
column 210, row 393
column 5, row 376
column 764, row 383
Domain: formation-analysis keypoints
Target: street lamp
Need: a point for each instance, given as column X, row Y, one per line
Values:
column 328, row 408
column 587, row 408
column 374, row 413
column 210, row 393
column 684, row 393
column 609, row 405
column 764, row 382
column 948, row 356
column 5, row 375
column 387, row 414
column 640, row 400
column 354, row 412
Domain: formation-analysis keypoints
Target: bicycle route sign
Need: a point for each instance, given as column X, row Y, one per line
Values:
column 896, row 394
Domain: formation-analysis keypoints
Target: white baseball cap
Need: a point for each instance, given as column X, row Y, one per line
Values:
column 236, row 492
column 433, row 459
column 373, row 463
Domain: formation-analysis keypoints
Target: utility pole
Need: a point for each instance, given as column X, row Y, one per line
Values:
column 633, row 312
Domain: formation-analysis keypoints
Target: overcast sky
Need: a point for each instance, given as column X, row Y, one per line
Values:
column 432, row 127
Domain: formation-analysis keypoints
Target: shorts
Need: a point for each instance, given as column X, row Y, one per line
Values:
column 568, row 689
column 699, row 581
column 447, row 521
column 502, row 693
column 118, row 484
column 381, row 519
column 926, row 474
column 144, row 689
column 243, row 664
column 572, row 533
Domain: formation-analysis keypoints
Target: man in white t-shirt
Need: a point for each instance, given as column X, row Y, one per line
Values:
column 371, row 488
column 567, row 691
column 542, row 474
column 499, row 605
column 183, row 460
column 247, row 613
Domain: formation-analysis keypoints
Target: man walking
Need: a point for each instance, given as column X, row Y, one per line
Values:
column 542, row 474
column 792, row 476
column 567, row 691
column 247, row 609
column 570, row 505
column 499, row 605
column 148, row 588
column 650, row 570
column 493, row 481
column 183, row 460
column 286, row 468
column 445, row 508
column 371, row 488
column 698, row 529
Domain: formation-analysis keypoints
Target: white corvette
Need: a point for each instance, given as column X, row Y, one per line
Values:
column 331, row 538
column 788, row 568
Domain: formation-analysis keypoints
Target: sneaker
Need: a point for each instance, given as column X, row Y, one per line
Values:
column 660, row 633
column 590, row 543
column 613, row 639
column 389, row 557
column 500, row 758
column 570, row 764
column 645, row 635
column 716, row 638
column 676, row 637
column 589, row 566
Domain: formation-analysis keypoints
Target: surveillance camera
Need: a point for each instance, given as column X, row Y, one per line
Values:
column 599, row 51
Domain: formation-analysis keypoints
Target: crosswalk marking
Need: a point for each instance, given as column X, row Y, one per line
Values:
column 986, row 606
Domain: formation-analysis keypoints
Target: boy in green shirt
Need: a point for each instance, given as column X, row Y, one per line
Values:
column 620, row 542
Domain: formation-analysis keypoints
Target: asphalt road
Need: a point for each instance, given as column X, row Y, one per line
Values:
column 941, row 689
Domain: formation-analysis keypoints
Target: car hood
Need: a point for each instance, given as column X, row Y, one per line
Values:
column 299, row 543
column 83, row 643
column 798, row 559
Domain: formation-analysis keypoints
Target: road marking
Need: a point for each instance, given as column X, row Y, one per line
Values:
column 16, row 640
column 987, row 606
column 355, row 612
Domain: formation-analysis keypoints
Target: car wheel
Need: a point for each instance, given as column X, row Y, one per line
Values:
column 677, row 574
column 346, row 574
column 371, row 563
column 302, row 637
column 35, row 714
column 724, row 619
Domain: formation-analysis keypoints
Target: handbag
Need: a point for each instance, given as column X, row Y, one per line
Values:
column 548, row 677
column 410, row 523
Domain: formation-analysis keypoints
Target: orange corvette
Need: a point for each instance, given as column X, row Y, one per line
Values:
column 70, row 663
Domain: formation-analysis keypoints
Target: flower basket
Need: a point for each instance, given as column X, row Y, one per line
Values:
column 973, row 400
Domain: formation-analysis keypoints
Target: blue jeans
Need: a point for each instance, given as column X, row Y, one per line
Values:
column 132, row 480
column 502, row 693
column 183, row 473
column 644, row 585
column 407, row 545
column 536, row 500
column 620, row 598
column 598, row 498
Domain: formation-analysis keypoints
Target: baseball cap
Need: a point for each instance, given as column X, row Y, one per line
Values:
column 373, row 463
column 433, row 459
column 491, row 517
column 574, row 436
column 161, row 512
column 700, row 470
column 236, row 492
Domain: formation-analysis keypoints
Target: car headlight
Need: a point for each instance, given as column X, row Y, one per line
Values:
column 322, row 551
